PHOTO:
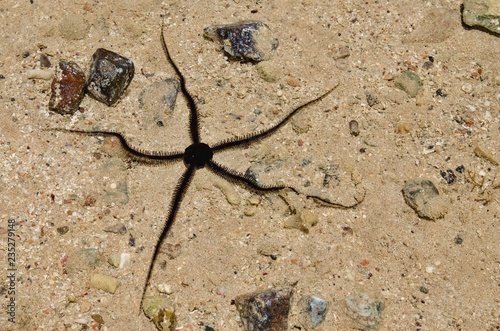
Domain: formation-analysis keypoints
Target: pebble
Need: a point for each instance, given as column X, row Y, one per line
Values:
column 365, row 313
column 482, row 153
column 467, row 87
column 423, row 196
column 313, row 310
column 354, row 128
column 62, row 229
column 116, row 228
column 119, row 260
column 245, row 40
column 159, row 96
column 160, row 310
column 268, row 71
column 98, row 318
column 104, row 282
column 67, row 88
column 266, row 310
column 83, row 259
column 40, row 74
column 485, row 13
column 229, row 191
column 109, row 76
column 409, row 82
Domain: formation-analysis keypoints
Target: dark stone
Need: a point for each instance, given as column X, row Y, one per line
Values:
column 67, row 88
column 266, row 310
column 246, row 40
column 109, row 76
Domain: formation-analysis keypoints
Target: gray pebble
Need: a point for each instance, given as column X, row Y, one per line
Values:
column 423, row 196
column 313, row 310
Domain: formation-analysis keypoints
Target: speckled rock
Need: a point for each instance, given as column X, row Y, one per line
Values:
column 109, row 76
column 484, row 13
column 245, row 40
column 266, row 310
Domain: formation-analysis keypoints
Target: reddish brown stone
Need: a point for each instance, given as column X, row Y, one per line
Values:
column 67, row 88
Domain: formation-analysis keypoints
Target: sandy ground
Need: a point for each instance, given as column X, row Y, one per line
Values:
column 428, row 275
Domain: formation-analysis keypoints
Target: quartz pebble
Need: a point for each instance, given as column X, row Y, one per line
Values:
column 245, row 40
column 109, row 76
column 266, row 310
column 67, row 88
column 365, row 312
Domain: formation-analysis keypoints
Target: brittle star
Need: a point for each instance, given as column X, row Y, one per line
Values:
column 200, row 155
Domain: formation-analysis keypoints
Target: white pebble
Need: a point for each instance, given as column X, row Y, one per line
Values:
column 467, row 87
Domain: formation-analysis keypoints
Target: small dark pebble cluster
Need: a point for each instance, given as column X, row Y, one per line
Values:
column 109, row 76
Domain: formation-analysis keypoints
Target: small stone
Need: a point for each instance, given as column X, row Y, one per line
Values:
column 423, row 196
column 485, row 13
column 404, row 128
column 354, row 128
column 62, row 229
column 245, row 40
column 44, row 61
column 482, row 153
column 313, row 310
column 114, row 259
column 467, row 88
column 116, row 228
column 98, row 318
column 229, row 191
column 109, row 76
column 365, row 313
column 409, row 82
column 83, row 259
column 266, row 310
column 268, row 71
column 40, row 74
column 160, row 310
column 159, row 96
column 105, row 283
column 67, row 88
column 293, row 82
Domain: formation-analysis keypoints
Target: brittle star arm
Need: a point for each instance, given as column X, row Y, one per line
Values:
column 132, row 153
column 235, row 176
column 242, row 140
column 194, row 125
column 179, row 192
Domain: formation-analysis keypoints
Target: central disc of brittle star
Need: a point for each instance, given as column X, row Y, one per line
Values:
column 198, row 154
